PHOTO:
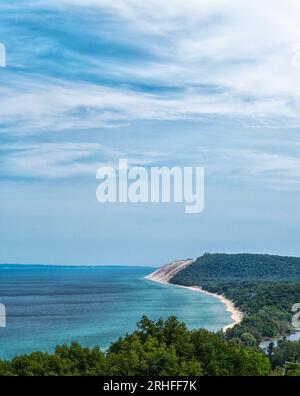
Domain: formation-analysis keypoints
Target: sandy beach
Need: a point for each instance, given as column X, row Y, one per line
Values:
column 166, row 272
column 236, row 314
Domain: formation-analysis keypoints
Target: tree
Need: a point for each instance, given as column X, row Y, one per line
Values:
column 286, row 351
column 292, row 369
column 248, row 339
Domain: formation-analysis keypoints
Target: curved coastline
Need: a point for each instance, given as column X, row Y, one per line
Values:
column 163, row 275
column 236, row 314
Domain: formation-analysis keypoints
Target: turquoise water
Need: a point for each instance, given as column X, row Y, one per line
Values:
column 49, row 305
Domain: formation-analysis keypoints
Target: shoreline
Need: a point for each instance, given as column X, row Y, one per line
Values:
column 236, row 314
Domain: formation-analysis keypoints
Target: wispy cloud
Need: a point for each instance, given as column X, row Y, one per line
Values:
column 191, row 59
column 227, row 44
column 106, row 64
column 51, row 161
column 49, row 104
column 260, row 169
column 54, row 161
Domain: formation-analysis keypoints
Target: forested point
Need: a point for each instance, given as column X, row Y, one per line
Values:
column 241, row 267
column 263, row 287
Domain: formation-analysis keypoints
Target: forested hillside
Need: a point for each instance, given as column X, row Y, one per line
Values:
column 264, row 287
column 240, row 267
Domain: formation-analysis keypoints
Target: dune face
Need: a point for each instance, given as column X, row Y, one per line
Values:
column 165, row 273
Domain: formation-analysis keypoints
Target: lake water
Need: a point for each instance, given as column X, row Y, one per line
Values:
column 50, row 305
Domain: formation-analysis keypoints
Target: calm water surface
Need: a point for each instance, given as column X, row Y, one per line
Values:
column 50, row 305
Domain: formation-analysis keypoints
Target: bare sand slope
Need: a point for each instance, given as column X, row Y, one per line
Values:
column 165, row 273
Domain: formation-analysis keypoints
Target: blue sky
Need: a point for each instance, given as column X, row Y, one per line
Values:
column 208, row 83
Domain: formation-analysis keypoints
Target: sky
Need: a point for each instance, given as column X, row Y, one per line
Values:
column 211, row 83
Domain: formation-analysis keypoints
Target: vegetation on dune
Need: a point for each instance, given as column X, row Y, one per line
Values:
column 264, row 287
column 243, row 267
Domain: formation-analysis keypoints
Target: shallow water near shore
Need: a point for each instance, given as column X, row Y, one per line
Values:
column 50, row 305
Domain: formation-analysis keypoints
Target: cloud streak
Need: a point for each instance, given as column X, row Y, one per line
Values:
column 99, row 64
column 204, row 58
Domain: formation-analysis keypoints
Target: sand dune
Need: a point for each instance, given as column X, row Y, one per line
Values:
column 166, row 272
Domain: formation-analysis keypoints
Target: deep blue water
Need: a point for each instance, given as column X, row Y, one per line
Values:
column 49, row 305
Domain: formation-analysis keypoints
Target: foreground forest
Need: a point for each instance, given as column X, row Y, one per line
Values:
column 156, row 348
column 264, row 287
